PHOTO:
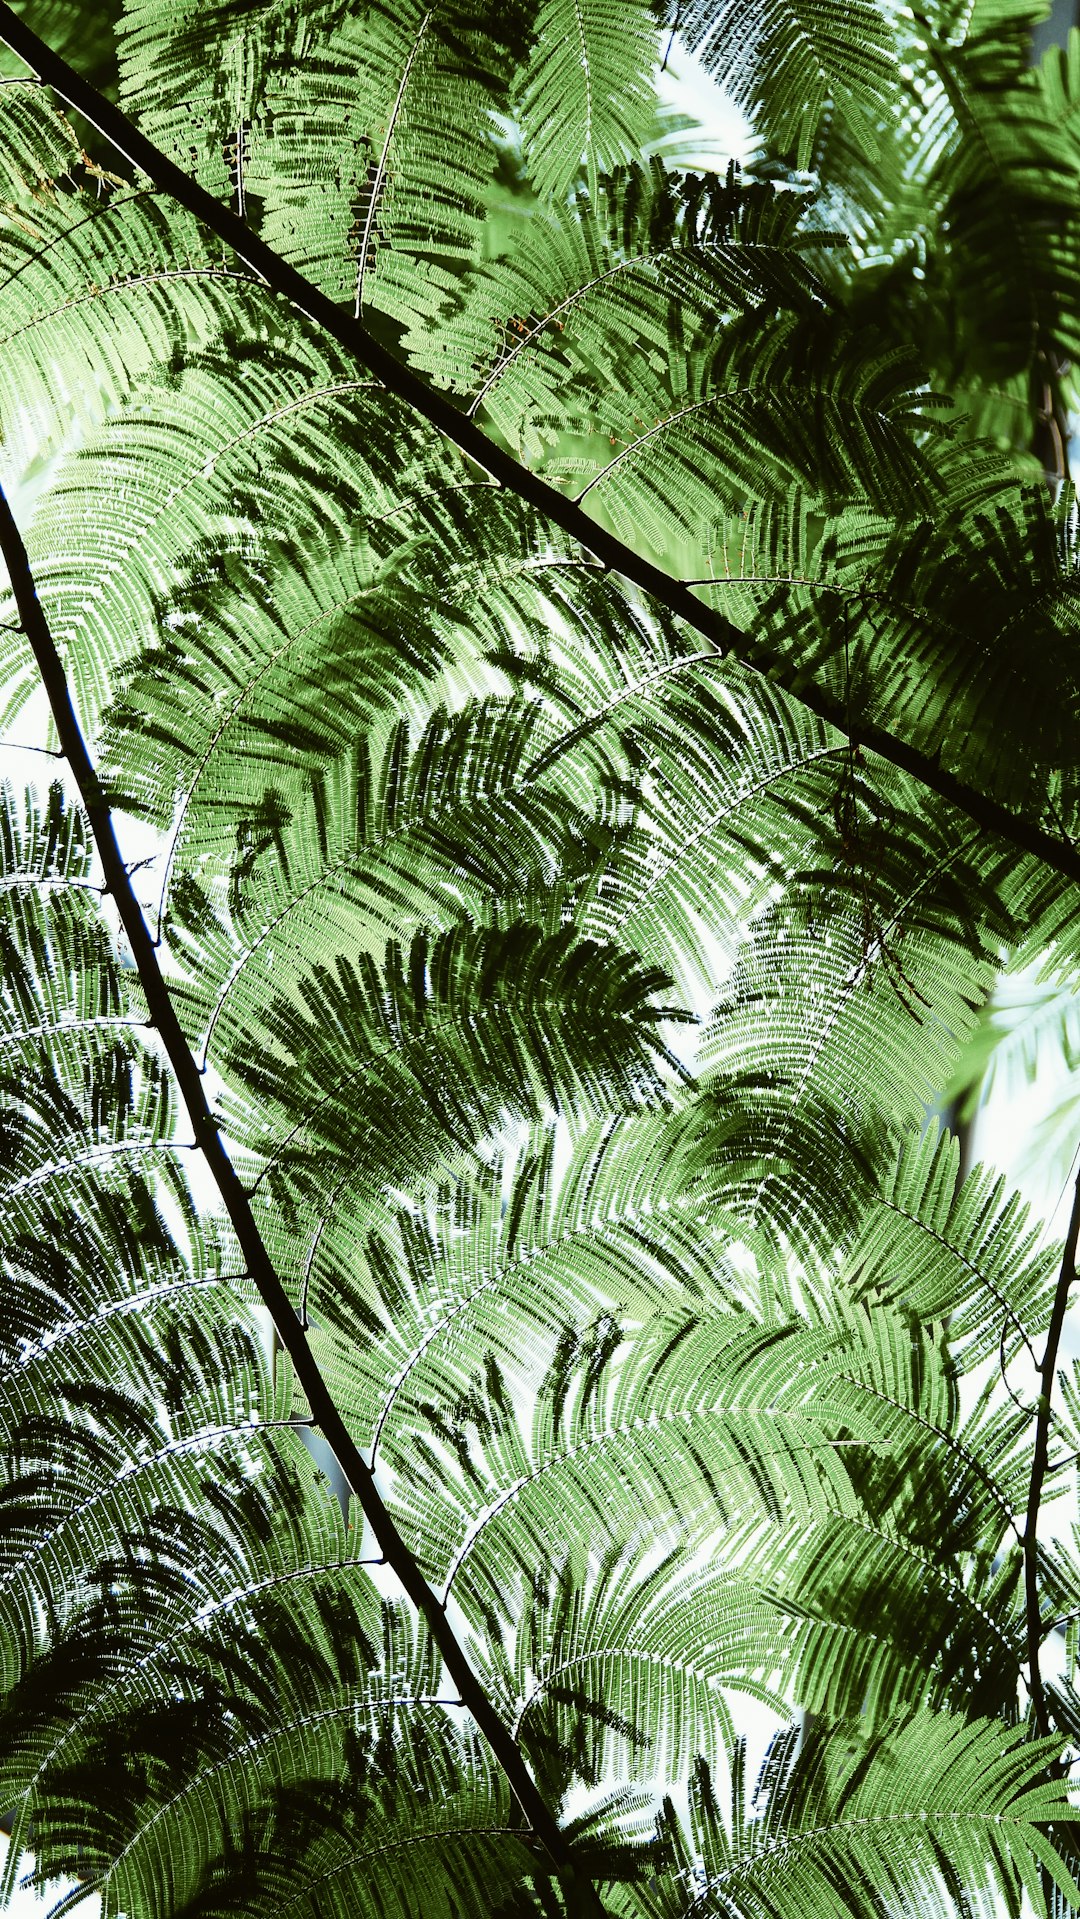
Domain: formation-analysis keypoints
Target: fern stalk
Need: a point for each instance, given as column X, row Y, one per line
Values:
column 259, row 1266
column 283, row 279
column 1039, row 1462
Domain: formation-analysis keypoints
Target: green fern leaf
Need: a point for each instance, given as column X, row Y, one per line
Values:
column 586, row 95
column 798, row 61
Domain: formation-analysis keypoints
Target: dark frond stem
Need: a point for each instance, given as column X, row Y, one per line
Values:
column 282, row 278
column 259, row 1265
column 671, row 36
column 1039, row 1461
column 1050, row 434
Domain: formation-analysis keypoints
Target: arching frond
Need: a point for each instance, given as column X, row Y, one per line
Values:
column 444, row 1040
column 540, row 1007
column 814, row 1061
column 835, row 1825
column 363, row 137
column 154, row 485
column 681, row 322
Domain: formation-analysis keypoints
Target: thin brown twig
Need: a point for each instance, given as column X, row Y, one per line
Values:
column 1039, row 1462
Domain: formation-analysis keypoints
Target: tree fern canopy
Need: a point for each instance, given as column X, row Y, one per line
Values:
column 557, row 676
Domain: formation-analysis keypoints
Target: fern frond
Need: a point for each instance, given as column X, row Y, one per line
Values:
column 586, row 97
column 38, row 146
column 445, row 1039
column 88, row 265
column 906, row 1818
column 625, row 1670
column 682, row 321
column 966, row 1250
column 318, row 1688
column 728, row 414
column 493, row 1273
column 315, row 1848
column 794, row 63
column 892, row 607
column 732, row 769
column 603, row 282
column 361, row 140
column 812, row 1062
column 174, row 1584
column 978, row 162
column 374, row 177
column 372, row 846
column 701, row 1420
column 73, row 31
column 119, row 521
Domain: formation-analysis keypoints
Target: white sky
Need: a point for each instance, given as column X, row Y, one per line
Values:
column 25, row 1905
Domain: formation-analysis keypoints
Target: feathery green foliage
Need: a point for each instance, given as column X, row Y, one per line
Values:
column 570, row 984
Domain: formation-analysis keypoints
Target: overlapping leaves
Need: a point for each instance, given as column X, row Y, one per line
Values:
column 662, row 1352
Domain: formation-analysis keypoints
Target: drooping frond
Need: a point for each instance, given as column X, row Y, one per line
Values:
column 962, row 222
column 211, row 448
column 888, row 608
column 682, row 320
column 585, row 97
column 444, row 1039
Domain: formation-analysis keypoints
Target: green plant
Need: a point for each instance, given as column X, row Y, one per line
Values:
column 591, row 649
